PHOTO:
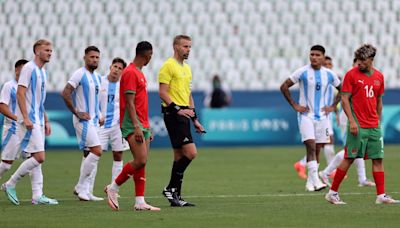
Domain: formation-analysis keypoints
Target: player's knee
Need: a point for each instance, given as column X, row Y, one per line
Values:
column 140, row 163
column 192, row 155
column 117, row 156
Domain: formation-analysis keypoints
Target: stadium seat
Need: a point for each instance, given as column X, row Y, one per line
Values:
column 264, row 32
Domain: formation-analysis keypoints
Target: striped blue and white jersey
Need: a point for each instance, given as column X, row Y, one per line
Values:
column 8, row 97
column 313, row 85
column 34, row 79
column 109, row 102
column 87, row 89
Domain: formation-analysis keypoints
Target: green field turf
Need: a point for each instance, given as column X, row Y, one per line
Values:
column 232, row 187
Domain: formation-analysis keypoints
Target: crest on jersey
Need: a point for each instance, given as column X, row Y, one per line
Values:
column 377, row 83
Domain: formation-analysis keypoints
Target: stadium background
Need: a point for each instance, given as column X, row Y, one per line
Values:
column 253, row 45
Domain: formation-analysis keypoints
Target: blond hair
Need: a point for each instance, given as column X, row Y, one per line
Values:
column 181, row 37
column 365, row 51
column 39, row 43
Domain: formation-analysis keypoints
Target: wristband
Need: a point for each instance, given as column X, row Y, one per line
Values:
column 195, row 115
column 173, row 108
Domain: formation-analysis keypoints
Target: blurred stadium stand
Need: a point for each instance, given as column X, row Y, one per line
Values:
column 252, row 44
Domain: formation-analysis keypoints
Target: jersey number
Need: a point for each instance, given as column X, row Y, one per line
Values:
column 111, row 98
column 368, row 91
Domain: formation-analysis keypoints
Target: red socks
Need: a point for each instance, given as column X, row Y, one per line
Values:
column 127, row 171
column 339, row 176
column 140, row 181
column 139, row 177
column 379, row 178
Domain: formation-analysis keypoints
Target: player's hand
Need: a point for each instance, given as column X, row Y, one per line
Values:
column 328, row 109
column 186, row 113
column 101, row 121
column 139, row 137
column 47, row 128
column 28, row 123
column 199, row 127
column 300, row 108
column 353, row 128
column 83, row 115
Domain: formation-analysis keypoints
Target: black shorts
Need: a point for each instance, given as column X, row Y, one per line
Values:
column 178, row 128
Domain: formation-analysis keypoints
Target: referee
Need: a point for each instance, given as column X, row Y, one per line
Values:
column 175, row 79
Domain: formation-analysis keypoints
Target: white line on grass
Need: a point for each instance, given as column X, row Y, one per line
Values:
column 234, row 196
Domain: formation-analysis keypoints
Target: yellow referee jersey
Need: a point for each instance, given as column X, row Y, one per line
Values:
column 179, row 78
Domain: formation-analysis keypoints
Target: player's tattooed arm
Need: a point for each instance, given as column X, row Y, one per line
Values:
column 67, row 96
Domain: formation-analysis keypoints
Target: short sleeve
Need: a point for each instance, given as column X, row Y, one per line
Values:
column 25, row 76
column 164, row 76
column 347, row 87
column 130, row 82
column 75, row 79
column 335, row 79
column 295, row 77
column 5, row 95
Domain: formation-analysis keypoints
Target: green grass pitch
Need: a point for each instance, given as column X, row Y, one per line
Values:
column 232, row 187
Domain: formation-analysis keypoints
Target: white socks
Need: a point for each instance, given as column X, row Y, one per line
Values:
column 139, row 200
column 91, row 179
column 116, row 169
column 114, row 186
column 87, row 167
column 4, row 167
column 22, row 170
column 312, row 167
column 329, row 151
column 334, row 163
column 36, row 182
column 303, row 161
column 360, row 164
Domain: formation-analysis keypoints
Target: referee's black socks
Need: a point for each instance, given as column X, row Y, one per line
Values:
column 178, row 169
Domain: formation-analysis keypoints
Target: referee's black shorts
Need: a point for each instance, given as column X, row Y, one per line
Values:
column 178, row 128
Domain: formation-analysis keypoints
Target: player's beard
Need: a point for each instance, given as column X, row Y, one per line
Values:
column 92, row 67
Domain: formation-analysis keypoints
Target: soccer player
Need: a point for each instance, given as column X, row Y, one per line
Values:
column 32, row 124
column 110, row 132
column 362, row 92
column 8, row 106
column 86, row 118
column 135, row 128
column 329, row 150
column 175, row 78
column 337, row 159
column 314, row 81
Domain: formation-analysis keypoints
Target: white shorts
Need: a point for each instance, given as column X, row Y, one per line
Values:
column 32, row 141
column 314, row 129
column 11, row 150
column 112, row 136
column 330, row 127
column 86, row 133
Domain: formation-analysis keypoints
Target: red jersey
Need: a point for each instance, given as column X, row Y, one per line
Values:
column 133, row 81
column 364, row 91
